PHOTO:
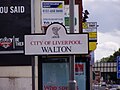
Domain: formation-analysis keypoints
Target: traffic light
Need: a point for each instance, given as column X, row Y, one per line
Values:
column 86, row 13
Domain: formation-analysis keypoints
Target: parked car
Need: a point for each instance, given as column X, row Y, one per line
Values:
column 103, row 84
column 115, row 87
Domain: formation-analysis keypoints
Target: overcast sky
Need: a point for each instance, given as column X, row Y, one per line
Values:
column 107, row 15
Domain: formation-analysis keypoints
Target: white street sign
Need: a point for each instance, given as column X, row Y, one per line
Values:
column 56, row 41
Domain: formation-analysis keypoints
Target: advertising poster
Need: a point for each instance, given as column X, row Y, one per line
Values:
column 52, row 11
column 80, row 75
column 56, row 76
column 15, row 21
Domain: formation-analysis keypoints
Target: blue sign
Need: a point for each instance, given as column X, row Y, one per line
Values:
column 52, row 4
column 118, row 67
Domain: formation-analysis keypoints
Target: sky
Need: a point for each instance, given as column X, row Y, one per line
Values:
column 107, row 15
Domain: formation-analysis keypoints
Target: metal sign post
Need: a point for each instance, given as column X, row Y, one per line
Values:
column 72, row 82
column 33, row 31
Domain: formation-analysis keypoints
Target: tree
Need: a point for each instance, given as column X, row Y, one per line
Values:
column 111, row 58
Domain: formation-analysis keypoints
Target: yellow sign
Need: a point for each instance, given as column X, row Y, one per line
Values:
column 84, row 25
column 93, row 36
column 91, row 29
column 92, row 46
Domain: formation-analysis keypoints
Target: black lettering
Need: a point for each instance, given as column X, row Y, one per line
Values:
column 66, row 49
column 56, row 49
column 46, row 49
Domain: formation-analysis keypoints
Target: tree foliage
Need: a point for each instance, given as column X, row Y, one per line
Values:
column 111, row 58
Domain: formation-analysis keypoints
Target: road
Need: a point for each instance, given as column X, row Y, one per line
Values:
column 99, row 88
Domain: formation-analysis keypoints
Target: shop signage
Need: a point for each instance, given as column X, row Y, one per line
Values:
column 56, row 41
column 15, row 22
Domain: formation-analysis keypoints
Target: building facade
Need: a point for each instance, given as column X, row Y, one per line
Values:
column 107, row 70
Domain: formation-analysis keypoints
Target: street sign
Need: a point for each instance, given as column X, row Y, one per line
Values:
column 91, row 29
column 118, row 67
column 56, row 41
column 89, row 26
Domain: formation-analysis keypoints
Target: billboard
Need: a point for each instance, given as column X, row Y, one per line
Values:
column 15, row 21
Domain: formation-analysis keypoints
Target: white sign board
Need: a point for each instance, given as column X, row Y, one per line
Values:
column 56, row 41
column 76, row 15
column 52, row 11
column 89, row 27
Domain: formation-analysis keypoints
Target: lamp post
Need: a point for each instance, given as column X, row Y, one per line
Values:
column 72, row 82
